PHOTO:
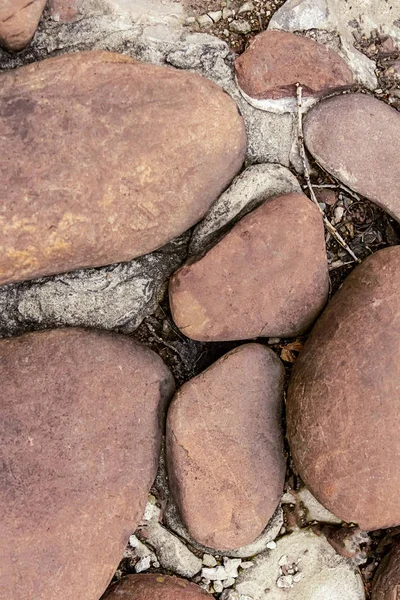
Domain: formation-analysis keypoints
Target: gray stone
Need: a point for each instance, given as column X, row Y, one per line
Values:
column 324, row 574
column 240, row 26
column 250, row 189
column 114, row 297
column 338, row 21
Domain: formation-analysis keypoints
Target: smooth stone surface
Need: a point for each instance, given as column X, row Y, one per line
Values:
column 268, row 277
column 386, row 585
column 81, row 417
column 225, row 447
column 343, row 404
column 276, row 60
column 156, row 587
column 134, row 180
column 250, row 189
column 18, row 22
column 356, row 138
column 319, row 572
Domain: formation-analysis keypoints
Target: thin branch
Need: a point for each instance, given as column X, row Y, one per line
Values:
column 304, row 160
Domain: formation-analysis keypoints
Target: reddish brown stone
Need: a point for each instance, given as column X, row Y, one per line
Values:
column 156, row 587
column 357, row 139
column 96, row 162
column 64, row 10
column 225, row 447
column 386, row 584
column 267, row 277
column 80, row 426
column 18, row 22
column 343, row 401
column 276, row 60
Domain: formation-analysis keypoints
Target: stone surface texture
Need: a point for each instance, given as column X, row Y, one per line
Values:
column 118, row 194
column 386, row 584
column 155, row 587
column 81, row 421
column 276, row 60
column 250, row 189
column 268, row 277
column 319, row 573
column 225, row 447
column 117, row 297
column 356, row 138
column 18, row 22
column 338, row 23
column 343, row 402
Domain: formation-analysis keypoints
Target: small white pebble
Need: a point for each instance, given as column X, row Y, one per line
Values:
column 218, row 587
column 152, row 511
column 283, row 560
column 246, row 7
column 209, row 560
column 231, row 566
column 286, row 581
column 143, row 564
column 247, row 564
column 214, row 574
column 271, row 545
column 215, row 15
column 227, row 583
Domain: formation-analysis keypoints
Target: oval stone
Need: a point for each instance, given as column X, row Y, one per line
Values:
column 81, row 416
column 268, row 277
column 386, row 584
column 225, row 447
column 343, row 406
column 152, row 586
column 356, row 138
column 18, row 22
column 103, row 159
column 276, row 61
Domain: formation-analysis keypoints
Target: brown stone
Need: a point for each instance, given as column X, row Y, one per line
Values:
column 156, row 587
column 268, row 277
column 80, row 427
column 64, row 10
column 386, row 585
column 18, row 22
column 343, row 402
column 356, row 138
column 103, row 159
column 276, row 60
column 225, row 447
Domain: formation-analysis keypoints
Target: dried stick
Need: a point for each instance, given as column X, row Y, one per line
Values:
column 303, row 156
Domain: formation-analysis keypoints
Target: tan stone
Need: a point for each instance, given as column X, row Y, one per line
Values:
column 343, row 401
column 80, row 426
column 276, row 60
column 103, row 159
column 268, row 277
column 156, row 587
column 18, row 22
column 225, row 447
column 356, row 138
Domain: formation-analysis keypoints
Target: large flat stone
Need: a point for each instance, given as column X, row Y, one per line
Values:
column 80, row 425
column 357, row 139
column 225, row 448
column 18, row 22
column 97, row 166
column 343, row 403
column 268, row 277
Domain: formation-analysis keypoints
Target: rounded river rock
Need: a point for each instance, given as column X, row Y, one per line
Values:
column 103, row 159
column 156, row 587
column 81, row 416
column 343, row 407
column 18, row 22
column 225, row 447
column 268, row 277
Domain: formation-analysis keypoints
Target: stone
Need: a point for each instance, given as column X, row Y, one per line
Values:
column 240, row 26
column 250, row 189
column 267, row 72
column 81, row 417
column 172, row 554
column 155, row 587
column 356, row 138
column 337, row 23
column 302, row 567
column 343, row 405
column 18, row 22
column 209, row 560
column 268, row 277
column 64, row 10
column 386, row 584
column 117, row 297
column 116, row 196
column 226, row 475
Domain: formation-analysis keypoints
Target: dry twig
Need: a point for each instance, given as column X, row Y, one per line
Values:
column 303, row 155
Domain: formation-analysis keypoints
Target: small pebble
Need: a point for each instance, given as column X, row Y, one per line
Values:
column 217, row 573
column 226, row 13
column 286, row 581
column 215, row 15
column 228, row 582
column 231, row 566
column 246, row 7
column 243, row 27
column 248, row 563
column 270, row 546
column 205, row 21
column 218, row 587
column 209, row 560
column 143, row 564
